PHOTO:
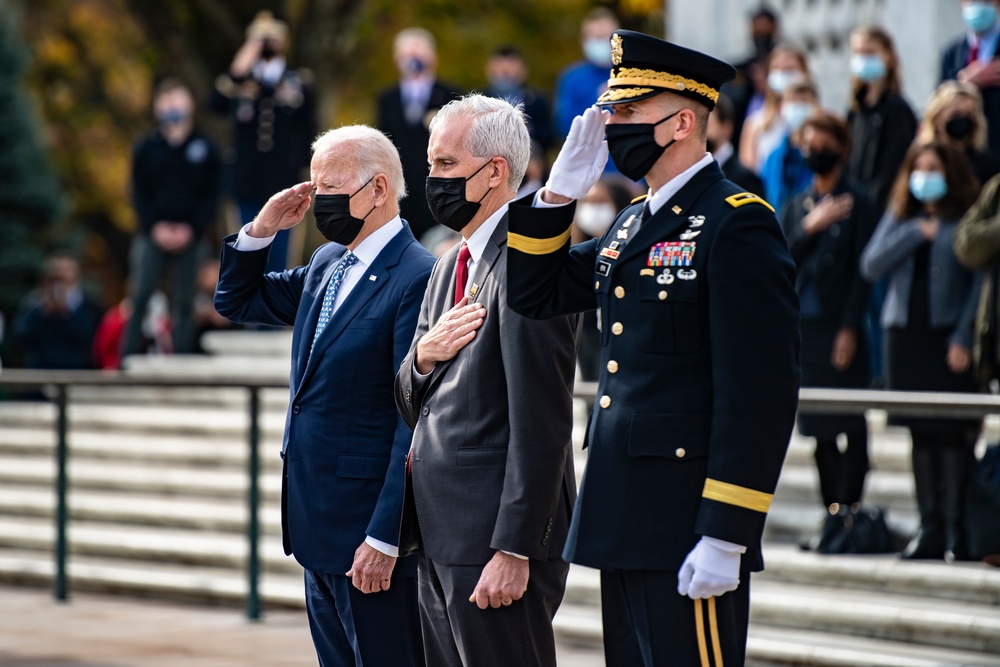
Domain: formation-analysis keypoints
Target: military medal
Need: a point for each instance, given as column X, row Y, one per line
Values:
column 609, row 253
column 672, row 253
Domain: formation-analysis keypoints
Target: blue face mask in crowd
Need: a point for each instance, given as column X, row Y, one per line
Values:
column 598, row 51
column 867, row 68
column 979, row 17
column 928, row 186
column 779, row 79
column 171, row 117
column 795, row 114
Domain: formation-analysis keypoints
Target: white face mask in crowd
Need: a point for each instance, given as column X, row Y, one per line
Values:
column 594, row 219
column 780, row 79
column 795, row 114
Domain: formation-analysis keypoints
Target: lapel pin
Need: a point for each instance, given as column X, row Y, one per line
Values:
column 372, row 277
column 677, row 210
column 474, row 290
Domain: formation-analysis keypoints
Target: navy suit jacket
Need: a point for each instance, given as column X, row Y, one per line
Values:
column 344, row 446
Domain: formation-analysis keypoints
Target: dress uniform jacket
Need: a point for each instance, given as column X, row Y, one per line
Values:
column 699, row 329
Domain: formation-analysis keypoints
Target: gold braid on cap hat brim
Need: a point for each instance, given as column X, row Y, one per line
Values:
column 633, row 76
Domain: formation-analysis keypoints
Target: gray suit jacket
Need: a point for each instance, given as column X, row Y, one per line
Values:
column 492, row 461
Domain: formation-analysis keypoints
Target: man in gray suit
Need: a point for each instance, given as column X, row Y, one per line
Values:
column 489, row 395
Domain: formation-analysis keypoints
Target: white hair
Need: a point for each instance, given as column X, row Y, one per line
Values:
column 370, row 152
column 420, row 34
column 499, row 129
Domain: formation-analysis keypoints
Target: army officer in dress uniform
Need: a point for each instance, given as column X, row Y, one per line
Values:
column 698, row 315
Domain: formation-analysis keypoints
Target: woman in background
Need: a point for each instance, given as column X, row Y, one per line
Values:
column 928, row 318
column 954, row 116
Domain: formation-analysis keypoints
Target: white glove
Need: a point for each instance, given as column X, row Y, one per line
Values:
column 711, row 569
column 581, row 161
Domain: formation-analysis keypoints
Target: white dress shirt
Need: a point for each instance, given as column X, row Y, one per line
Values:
column 366, row 253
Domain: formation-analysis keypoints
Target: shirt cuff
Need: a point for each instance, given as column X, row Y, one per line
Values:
column 537, row 202
column 418, row 378
column 248, row 243
column 517, row 556
column 384, row 547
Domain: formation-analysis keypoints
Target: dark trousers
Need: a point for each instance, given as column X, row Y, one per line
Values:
column 351, row 629
column 647, row 623
column 842, row 474
column 277, row 258
column 147, row 266
column 457, row 633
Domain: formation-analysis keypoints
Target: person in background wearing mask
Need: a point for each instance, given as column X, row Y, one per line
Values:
column 580, row 83
column 954, row 116
column 765, row 129
column 882, row 129
column 405, row 111
column 747, row 90
column 54, row 325
column 595, row 213
column 928, row 316
column 176, row 174
column 786, row 172
column 827, row 227
column 353, row 308
column 489, row 394
column 273, row 112
column 695, row 291
column 973, row 59
column 719, row 143
column 507, row 74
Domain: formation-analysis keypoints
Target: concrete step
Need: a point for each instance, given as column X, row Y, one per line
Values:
column 164, row 546
column 143, row 419
column 779, row 647
column 160, row 449
column 36, row 568
column 892, row 616
column 271, row 368
column 228, row 397
column 107, row 476
column 223, row 516
column 969, row 582
column 243, row 343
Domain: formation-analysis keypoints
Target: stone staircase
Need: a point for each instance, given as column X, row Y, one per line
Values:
column 158, row 508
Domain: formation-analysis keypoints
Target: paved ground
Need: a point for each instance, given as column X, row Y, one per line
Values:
column 103, row 631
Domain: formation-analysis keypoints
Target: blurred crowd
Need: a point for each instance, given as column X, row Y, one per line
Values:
column 891, row 214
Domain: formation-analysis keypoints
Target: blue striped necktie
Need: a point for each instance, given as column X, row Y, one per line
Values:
column 326, row 310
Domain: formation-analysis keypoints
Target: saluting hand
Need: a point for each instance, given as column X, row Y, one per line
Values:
column 453, row 331
column 282, row 211
column 581, row 161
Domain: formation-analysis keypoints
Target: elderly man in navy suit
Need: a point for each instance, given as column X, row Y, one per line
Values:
column 354, row 308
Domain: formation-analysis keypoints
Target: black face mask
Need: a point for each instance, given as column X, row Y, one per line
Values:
column 960, row 128
column 268, row 50
column 447, row 202
column 823, row 162
column 334, row 220
column 633, row 146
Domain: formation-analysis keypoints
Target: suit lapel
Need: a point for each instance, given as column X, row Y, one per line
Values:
column 311, row 318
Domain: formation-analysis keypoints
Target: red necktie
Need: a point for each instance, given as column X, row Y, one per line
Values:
column 462, row 271
column 973, row 54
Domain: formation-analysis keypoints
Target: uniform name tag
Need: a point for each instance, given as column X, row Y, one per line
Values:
column 672, row 253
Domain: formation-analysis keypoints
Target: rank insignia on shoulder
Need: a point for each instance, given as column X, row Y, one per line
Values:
column 744, row 198
column 609, row 253
column 672, row 253
column 639, row 199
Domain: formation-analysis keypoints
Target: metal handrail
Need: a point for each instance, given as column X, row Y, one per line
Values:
column 827, row 401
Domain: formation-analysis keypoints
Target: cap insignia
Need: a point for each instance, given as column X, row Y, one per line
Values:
column 616, row 50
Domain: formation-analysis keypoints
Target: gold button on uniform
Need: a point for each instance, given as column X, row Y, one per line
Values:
column 597, row 285
column 620, row 292
column 663, row 295
column 680, row 453
column 617, row 328
column 605, row 401
column 612, row 366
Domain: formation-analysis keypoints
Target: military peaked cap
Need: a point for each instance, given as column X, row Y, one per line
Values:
column 644, row 66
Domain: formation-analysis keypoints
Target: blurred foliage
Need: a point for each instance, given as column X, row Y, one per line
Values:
column 30, row 199
column 95, row 62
